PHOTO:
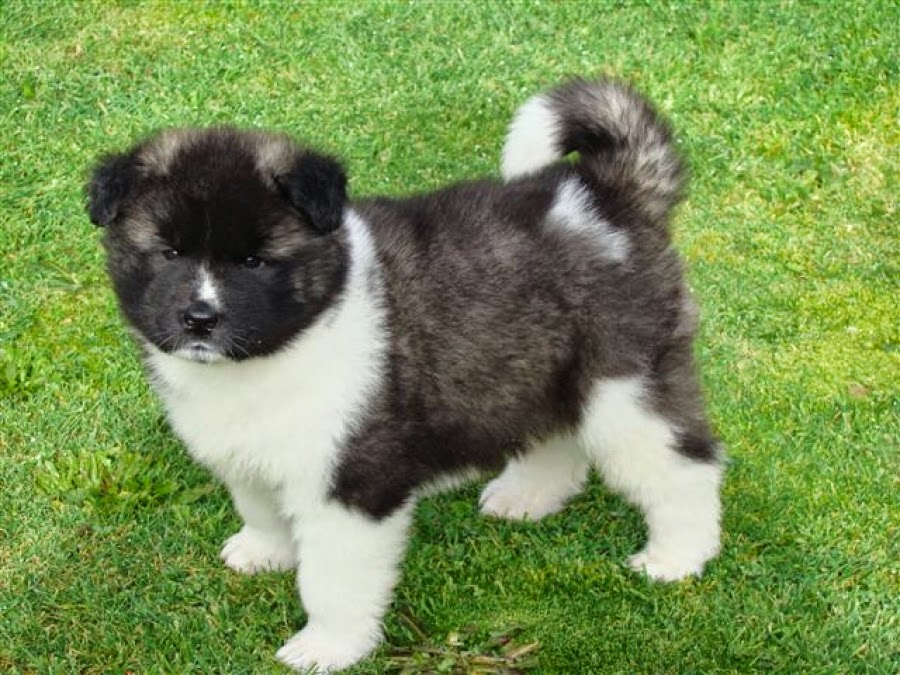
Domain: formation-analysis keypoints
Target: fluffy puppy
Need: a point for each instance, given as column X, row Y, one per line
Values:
column 329, row 360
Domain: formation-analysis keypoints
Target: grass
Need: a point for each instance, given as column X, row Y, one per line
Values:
column 789, row 114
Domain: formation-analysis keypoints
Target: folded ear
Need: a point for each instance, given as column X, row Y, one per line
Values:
column 112, row 181
column 316, row 185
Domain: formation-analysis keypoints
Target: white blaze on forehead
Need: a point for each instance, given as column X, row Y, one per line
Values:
column 572, row 210
column 207, row 291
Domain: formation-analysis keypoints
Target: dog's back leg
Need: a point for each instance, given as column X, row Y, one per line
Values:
column 537, row 483
column 653, row 462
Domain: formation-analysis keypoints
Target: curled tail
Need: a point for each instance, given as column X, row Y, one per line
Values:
column 622, row 142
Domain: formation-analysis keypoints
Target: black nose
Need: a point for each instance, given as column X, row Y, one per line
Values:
column 200, row 317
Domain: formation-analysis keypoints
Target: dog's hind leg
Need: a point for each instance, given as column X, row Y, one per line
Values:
column 537, row 483
column 668, row 471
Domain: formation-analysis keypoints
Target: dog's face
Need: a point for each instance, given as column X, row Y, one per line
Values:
column 221, row 244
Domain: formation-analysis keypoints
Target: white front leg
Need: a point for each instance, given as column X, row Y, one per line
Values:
column 264, row 543
column 349, row 564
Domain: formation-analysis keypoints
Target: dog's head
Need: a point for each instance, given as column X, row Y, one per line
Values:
column 221, row 243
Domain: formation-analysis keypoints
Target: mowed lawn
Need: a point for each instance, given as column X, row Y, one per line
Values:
column 789, row 113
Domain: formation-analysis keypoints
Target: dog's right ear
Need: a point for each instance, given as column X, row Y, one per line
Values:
column 111, row 182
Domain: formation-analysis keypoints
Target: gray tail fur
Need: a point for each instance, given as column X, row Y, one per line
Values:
column 622, row 141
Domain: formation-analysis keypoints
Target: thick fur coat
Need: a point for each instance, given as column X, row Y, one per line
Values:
column 331, row 361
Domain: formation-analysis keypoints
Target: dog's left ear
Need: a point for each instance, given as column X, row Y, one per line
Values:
column 111, row 183
column 317, row 186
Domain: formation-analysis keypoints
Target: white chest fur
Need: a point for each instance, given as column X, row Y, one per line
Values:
column 279, row 420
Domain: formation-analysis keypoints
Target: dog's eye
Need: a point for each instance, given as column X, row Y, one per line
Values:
column 251, row 262
column 171, row 254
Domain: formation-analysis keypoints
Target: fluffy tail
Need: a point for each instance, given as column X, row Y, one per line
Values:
column 619, row 136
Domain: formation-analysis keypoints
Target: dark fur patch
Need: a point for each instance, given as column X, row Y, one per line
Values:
column 501, row 328
column 317, row 186
column 113, row 179
column 700, row 448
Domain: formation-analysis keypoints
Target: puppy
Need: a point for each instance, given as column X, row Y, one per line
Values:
column 330, row 361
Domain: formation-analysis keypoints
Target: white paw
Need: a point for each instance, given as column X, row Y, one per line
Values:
column 251, row 551
column 316, row 650
column 505, row 497
column 662, row 567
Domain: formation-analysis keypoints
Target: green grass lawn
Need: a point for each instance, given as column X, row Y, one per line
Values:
column 790, row 115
